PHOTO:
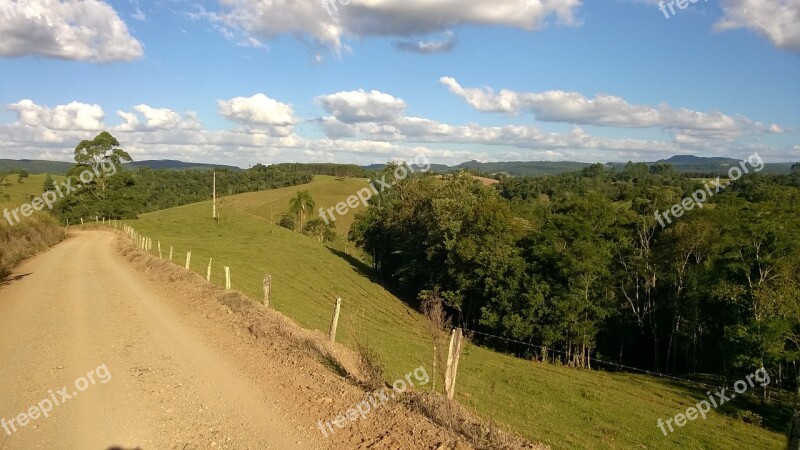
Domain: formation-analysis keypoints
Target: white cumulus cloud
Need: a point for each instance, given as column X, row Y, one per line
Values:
column 260, row 112
column 603, row 110
column 777, row 20
column 73, row 116
column 157, row 119
column 83, row 30
column 362, row 106
column 329, row 21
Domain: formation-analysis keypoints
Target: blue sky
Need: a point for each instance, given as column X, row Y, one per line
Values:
column 247, row 81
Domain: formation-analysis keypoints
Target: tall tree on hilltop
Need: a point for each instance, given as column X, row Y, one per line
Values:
column 101, row 154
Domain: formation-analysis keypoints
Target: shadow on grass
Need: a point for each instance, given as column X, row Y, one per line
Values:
column 775, row 416
column 362, row 268
column 370, row 274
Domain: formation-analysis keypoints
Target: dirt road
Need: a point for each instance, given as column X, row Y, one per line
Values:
column 158, row 378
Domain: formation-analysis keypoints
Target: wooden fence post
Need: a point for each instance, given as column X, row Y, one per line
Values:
column 208, row 272
column 452, row 363
column 267, row 289
column 227, row 278
column 188, row 259
column 170, row 253
column 81, row 221
column 335, row 320
column 159, row 250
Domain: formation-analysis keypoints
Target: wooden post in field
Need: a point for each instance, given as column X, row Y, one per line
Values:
column 452, row 363
column 188, row 259
column 170, row 253
column 208, row 271
column 267, row 289
column 227, row 278
column 104, row 221
column 81, row 221
column 159, row 250
column 335, row 320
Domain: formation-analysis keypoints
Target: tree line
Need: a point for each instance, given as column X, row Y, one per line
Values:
column 577, row 266
column 124, row 193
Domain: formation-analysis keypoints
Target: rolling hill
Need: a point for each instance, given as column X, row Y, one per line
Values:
column 61, row 168
column 559, row 406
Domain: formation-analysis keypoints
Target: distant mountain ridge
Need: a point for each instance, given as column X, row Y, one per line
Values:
column 61, row 168
column 685, row 164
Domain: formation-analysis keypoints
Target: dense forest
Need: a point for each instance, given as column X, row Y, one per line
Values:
column 578, row 266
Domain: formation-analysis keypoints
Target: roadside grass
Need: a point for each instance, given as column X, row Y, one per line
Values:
column 559, row 406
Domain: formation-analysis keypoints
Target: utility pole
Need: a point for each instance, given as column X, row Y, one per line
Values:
column 215, row 196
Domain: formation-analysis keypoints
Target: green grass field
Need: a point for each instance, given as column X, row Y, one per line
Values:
column 19, row 193
column 559, row 406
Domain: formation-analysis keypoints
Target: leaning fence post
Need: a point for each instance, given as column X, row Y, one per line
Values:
column 452, row 363
column 170, row 253
column 335, row 320
column 227, row 277
column 188, row 259
column 159, row 250
column 208, row 272
column 267, row 288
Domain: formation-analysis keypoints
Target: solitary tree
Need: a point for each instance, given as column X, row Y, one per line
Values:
column 301, row 204
column 49, row 184
column 98, row 154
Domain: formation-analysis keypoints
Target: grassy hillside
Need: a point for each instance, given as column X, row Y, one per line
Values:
column 559, row 406
column 19, row 193
column 31, row 235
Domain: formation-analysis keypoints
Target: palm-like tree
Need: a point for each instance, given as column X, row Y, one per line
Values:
column 301, row 204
